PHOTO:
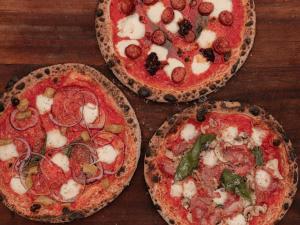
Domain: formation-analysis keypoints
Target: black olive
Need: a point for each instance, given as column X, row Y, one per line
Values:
column 184, row 27
column 15, row 101
column 1, row 107
column 209, row 54
column 35, row 207
column 152, row 64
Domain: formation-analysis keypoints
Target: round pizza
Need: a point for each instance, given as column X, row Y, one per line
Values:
column 69, row 143
column 222, row 163
column 175, row 50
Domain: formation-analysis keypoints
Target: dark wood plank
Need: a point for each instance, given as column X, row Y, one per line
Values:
column 36, row 33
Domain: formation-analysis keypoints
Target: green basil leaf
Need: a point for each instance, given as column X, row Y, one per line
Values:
column 190, row 160
column 257, row 152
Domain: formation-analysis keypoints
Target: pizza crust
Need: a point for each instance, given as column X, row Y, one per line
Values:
column 104, row 37
column 152, row 173
column 55, row 71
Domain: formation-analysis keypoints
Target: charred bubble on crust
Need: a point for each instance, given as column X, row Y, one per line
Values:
column 110, row 63
column 99, row 12
column 1, row 198
column 15, row 101
column 286, row 206
column 47, row 71
column 201, row 113
column 35, row 208
column 148, row 152
column 171, row 221
column 159, row 133
column 75, row 216
column 1, row 107
column 254, row 110
column 170, row 98
column 10, row 84
column 155, row 178
column 295, row 177
column 292, row 155
column 157, row 207
column 66, row 211
column 152, row 64
column 39, row 75
column 276, row 142
column 120, row 171
column 20, row 86
column 144, row 92
column 249, row 23
column 209, row 54
column 184, row 27
column 235, row 66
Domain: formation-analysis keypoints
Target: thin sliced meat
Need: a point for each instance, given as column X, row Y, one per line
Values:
column 167, row 166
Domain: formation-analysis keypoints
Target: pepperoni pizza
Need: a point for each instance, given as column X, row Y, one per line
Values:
column 69, row 143
column 175, row 50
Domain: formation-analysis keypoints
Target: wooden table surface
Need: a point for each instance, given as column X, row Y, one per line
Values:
column 36, row 33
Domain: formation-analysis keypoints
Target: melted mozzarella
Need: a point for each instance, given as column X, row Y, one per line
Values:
column 219, row 6
column 107, row 154
column 172, row 64
column 8, row 152
column 131, row 27
column 161, row 52
column 189, row 189
column 90, row 112
column 206, row 38
column 237, row 220
column 209, row 158
column 199, row 64
column 223, row 196
column 55, row 139
column 173, row 27
column 17, row 186
column 188, row 132
column 230, row 134
column 176, row 190
column 273, row 165
column 43, row 104
column 262, row 178
column 62, row 161
column 122, row 45
column 155, row 11
column 70, row 190
column 257, row 136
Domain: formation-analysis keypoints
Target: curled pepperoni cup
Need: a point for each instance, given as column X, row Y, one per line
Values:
column 133, row 51
column 178, row 4
column 226, row 18
column 205, row 8
column 127, row 6
column 149, row 2
column 158, row 37
column 221, row 45
column 167, row 15
column 178, row 74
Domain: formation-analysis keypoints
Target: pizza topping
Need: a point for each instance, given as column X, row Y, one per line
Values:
column 24, row 120
column 107, row 154
column 90, row 113
column 226, row 18
column 257, row 152
column 8, row 152
column 190, row 37
column 262, row 179
column 149, row 2
column 178, row 4
column 167, row 15
column 172, row 64
column 160, row 51
column 122, row 45
column 61, row 161
column 219, row 6
column 257, row 136
column 17, row 186
column 152, row 64
column 199, row 64
column 127, row 7
column 133, row 51
column 189, row 189
column 230, row 136
column 23, row 106
column 70, row 190
column 85, row 136
column 131, row 27
column 43, row 104
column 205, row 8
column 206, row 38
column 184, row 27
column 208, row 54
column 55, row 139
column 189, row 132
column 15, row 101
column 167, row 166
column 237, row 220
column 176, row 190
column 114, row 128
column 209, row 158
column 273, row 166
column 178, row 74
column 158, row 37
column 221, row 45
column 173, row 26
column 155, row 12
column 220, row 196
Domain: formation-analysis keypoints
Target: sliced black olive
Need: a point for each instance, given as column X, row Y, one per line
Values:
column 201, row 114
column 152, row 64
column 15, row 101
column 184, row 27
column 209, row 54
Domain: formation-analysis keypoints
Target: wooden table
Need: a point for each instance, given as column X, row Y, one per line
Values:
column 36, row 33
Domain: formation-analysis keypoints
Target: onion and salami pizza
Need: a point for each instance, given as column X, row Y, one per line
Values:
column 222, row 163
column 175, row 50
column 69, row 143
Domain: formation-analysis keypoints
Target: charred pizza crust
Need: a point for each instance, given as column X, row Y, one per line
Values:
column 152, row 174
column 104, row 37
column 15, row 88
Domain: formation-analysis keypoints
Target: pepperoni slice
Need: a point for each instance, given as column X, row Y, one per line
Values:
column 190, row 37
column 133, row 51
column 40, row 185
column 205, row 8
column 226, row 18
column 158, row 37
column 51, row 171
column 178, row 74
column 23, row 123
column 178, row 4
column 149, row 2
column 127, row 7
column 167, row 15
column 221, row 45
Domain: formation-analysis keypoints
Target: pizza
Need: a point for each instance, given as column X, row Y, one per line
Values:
column 222, row 163
column 175, row 50
column 69, row 143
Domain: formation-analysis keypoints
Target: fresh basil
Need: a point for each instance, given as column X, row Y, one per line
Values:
column 257, row 152
column 190, row 160
column 234, row 183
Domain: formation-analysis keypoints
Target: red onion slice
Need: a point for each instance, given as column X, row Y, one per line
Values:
column 34, row 117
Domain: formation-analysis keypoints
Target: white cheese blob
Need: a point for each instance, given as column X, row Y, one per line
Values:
column 43, row 104
column 229, row 135
column 273, row 165
column 173, row 27
column 160, row 51
column 8, row 152
column 131, row 27
column 107, row 154
column 237, row 220
column 176, row 190
column 155, row 11
column 62, row 161
column 122, row 45
column 262, row 178
column 257, row 136
column 172, row 64
column 55, row 139
column 189, row 189
column 70, row 190
column 223, row 196
column 206, row 38
column 209, row 158
column 219, row 6
column 200, row 64
column 188, row 132
column 17, row 186
column 90, row 113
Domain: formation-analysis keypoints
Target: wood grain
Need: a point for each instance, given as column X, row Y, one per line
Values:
column 36, row 33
